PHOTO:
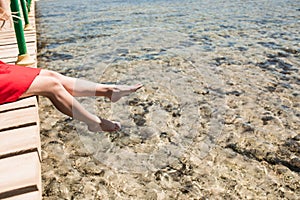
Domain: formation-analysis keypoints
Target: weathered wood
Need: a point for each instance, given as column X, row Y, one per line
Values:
column 10, row 40
column 10, row 60
column 18, row 118
column 19, row 174
column 26, row 196
column 7, row 38
column 20, row 145
column 7, row 34
column 29, row 101
column 7, row 48
column 12, row 53
column 21, row 140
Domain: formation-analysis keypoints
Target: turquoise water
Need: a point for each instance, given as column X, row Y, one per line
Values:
column 221, row 81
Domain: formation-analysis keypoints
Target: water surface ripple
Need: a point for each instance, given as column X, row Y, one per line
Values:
column 218, row 117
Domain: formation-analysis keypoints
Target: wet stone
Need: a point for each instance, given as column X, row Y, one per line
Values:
column 267, row 118
column 293, row 145
column 248, row 127
column 242, row 49
column 235, row 93
column 282, row 54
column 221, row 60
column 50, row 56
column 296, row 163
column 271, row 45
column 139, row 119
column 134, row 102
column 271, row 88
column 290, row 50
column 297, row 137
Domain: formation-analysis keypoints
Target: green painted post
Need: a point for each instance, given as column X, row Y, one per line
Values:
column 23, row 57
column 28, row 5
column 15, row 9
column 25, row 12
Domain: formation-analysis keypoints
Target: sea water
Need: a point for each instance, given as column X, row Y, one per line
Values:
column 221, row 95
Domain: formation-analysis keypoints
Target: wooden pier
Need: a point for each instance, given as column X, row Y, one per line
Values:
column 20, row 148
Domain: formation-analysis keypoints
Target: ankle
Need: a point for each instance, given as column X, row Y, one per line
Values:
column 94, row 125
column 96, row 120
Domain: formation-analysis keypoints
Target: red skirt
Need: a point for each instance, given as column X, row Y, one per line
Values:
column 15, row 80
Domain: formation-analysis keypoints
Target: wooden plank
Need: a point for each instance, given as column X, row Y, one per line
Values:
column 36, row 195
column 17, row 141
column 20, row 170
column 17, row 118
column 12, row 40
column 12, row 36
column 6, row 34
column 31, row 48
column 33, row 54
column 25, row 102
column 12, row 52
column 12, row 60
column 19, row 174
column 7, row 39
column 14, row 55
column 12, row 47
column 7, row 29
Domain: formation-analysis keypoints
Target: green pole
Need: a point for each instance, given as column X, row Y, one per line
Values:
column 25, row 13
column 28, row 5
column 24, row 58
column 15, row 9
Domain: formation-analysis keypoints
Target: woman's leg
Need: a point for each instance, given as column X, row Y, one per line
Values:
column 67, row 104
column 78, row 87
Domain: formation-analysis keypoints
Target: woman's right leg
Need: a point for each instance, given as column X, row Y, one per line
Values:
column 67, row 104
column 79, row 87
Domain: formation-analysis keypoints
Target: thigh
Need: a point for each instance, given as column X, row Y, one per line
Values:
column 41, row 85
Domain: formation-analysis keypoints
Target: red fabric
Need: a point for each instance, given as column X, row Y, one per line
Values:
column 14, row 81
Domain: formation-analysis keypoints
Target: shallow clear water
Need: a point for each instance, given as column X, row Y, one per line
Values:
column 77, row 29
column 214, row 72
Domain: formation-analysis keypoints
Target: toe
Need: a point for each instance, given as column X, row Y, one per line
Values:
column 117, row 126
column 138, row 86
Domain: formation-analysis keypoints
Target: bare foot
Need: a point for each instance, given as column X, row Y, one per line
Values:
column 105, row 125
column 109, row 126
column 120, row 91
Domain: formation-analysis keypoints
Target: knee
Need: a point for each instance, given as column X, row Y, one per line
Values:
column 51, row 74
column 54, row 87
